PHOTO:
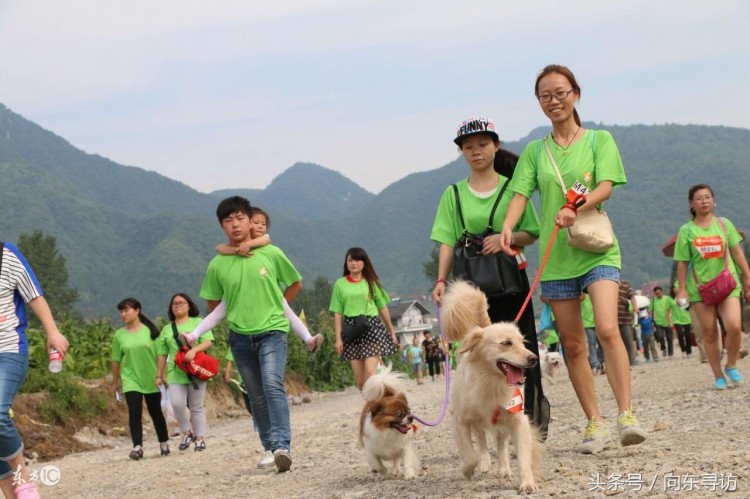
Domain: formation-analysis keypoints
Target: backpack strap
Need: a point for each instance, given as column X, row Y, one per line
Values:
column 176, row 335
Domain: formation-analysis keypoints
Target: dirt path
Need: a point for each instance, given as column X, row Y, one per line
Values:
column 697, row 436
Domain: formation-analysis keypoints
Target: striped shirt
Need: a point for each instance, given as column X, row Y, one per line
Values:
column 624, row 315
column 18, row 286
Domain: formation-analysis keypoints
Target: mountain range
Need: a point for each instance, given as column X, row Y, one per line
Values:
column 125, row 231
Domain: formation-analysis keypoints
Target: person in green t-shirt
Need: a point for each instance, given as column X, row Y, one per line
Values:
column 187, row 396
column 359, row 292
column 252, row 291
column 480, row 146
column 705, row 245
column 591, row 168
column 134, row 371
column 596, row 354
column 682, row 323
column 661, row 311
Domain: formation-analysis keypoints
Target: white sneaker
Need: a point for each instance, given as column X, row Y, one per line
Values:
column 266, row 461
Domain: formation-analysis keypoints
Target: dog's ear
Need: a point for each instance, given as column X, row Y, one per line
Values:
column 376, row 408
column 471, row 340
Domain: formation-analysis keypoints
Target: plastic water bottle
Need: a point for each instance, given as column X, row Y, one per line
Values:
column 683, row 302
column 55, row 361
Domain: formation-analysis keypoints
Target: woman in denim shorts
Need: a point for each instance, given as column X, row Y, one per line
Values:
column 590, row 165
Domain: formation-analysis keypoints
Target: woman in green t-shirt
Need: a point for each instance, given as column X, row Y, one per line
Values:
column 681, row 321
column 359, row 292
column 708, row 245
column 591, row 168
column 187, row 396
column 134, row 371
column 479, row 143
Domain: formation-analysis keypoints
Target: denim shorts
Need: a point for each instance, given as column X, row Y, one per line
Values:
column 567, row 289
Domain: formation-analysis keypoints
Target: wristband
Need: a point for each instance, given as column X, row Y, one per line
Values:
column 439, row 280
column 570, row 206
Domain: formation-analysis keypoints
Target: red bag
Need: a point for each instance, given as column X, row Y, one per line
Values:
column 203, row 366
column 717, row 289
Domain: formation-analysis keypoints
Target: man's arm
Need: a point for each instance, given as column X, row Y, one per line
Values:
column 292, row 291
column 212, row 304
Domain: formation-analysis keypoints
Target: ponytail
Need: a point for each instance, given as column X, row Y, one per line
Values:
column 150, row 325
column 136, row 305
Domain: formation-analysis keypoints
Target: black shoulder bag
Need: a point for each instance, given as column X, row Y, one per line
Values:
column 496, row 274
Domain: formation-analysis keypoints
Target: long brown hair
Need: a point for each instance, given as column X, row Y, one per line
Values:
column 368, row 271
column 693, row 190
column 568, row 74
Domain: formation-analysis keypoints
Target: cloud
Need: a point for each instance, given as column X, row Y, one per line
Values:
column 231, row 93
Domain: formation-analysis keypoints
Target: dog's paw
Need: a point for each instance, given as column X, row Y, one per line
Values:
column 468, row 470
column 527, row 487
column 484, row 463
column 410, row 474
column 506, row 473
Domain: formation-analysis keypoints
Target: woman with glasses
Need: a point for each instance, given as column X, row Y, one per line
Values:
column 591, row 169
column 706, row 246
column 186, row 395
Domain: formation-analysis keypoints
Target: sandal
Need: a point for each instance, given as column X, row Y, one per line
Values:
column 186, row 441
column 200, row 445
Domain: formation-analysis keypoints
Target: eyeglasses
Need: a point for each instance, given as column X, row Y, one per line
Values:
column 178, row 303
column 560, row 96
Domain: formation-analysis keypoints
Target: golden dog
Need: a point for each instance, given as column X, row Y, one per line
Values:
column 485, row 396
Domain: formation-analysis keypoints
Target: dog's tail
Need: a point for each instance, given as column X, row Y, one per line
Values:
column 464, row 307
column 384, row 383
column 537, row 453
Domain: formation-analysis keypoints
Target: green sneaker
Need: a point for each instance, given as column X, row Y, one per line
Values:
column 595, row 438
column 630, row 432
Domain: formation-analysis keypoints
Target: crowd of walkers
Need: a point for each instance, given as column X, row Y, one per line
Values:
column 596, row 317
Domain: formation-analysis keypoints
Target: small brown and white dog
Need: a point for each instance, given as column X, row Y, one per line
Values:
column 551, row 361
column 485, row 395
column 385, row 428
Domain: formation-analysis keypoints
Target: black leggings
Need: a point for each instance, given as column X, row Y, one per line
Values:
column 683, row 337
column 536, row 406
column 135, row 412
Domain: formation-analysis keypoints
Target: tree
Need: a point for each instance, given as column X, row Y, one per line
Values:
column 314, row 301
column 430, row 267
column 50, row 269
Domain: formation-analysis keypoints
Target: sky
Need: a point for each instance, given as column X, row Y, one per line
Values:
column 229, row 94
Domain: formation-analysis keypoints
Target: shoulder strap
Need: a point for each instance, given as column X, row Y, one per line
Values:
column 190, row 377
column 2, row 250
column 554, row 165
column 497, row 202
column 492, row 213
column 458, row 208
column 726, row 250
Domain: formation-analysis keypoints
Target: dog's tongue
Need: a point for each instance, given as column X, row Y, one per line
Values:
column 513, row 375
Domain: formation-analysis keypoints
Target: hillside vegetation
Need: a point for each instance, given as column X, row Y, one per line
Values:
column 127, row 231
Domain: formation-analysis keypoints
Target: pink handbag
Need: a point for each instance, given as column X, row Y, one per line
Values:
column 720, row 287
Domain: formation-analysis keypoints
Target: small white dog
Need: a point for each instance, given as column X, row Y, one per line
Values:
column 485, row 396
column 385, row 427
column 551, row 361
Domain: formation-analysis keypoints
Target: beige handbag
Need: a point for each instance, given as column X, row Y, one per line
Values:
column 592, row 230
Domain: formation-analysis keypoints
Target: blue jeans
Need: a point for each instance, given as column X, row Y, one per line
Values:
column 261, row 361
column 12, row 373
column 591, row 340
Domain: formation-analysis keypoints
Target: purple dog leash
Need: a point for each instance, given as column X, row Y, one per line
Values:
column 447, row 377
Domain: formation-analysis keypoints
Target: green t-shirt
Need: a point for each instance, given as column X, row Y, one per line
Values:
column 587, row 312
column 251, row 289
column 680, row 315
column 551, row 338
column 136, row 353
column 591, row 160
column 167, row 346
column 659, row 307
column 704, row 250
column 351, row 299
column 229, row 355
column 476, row 211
